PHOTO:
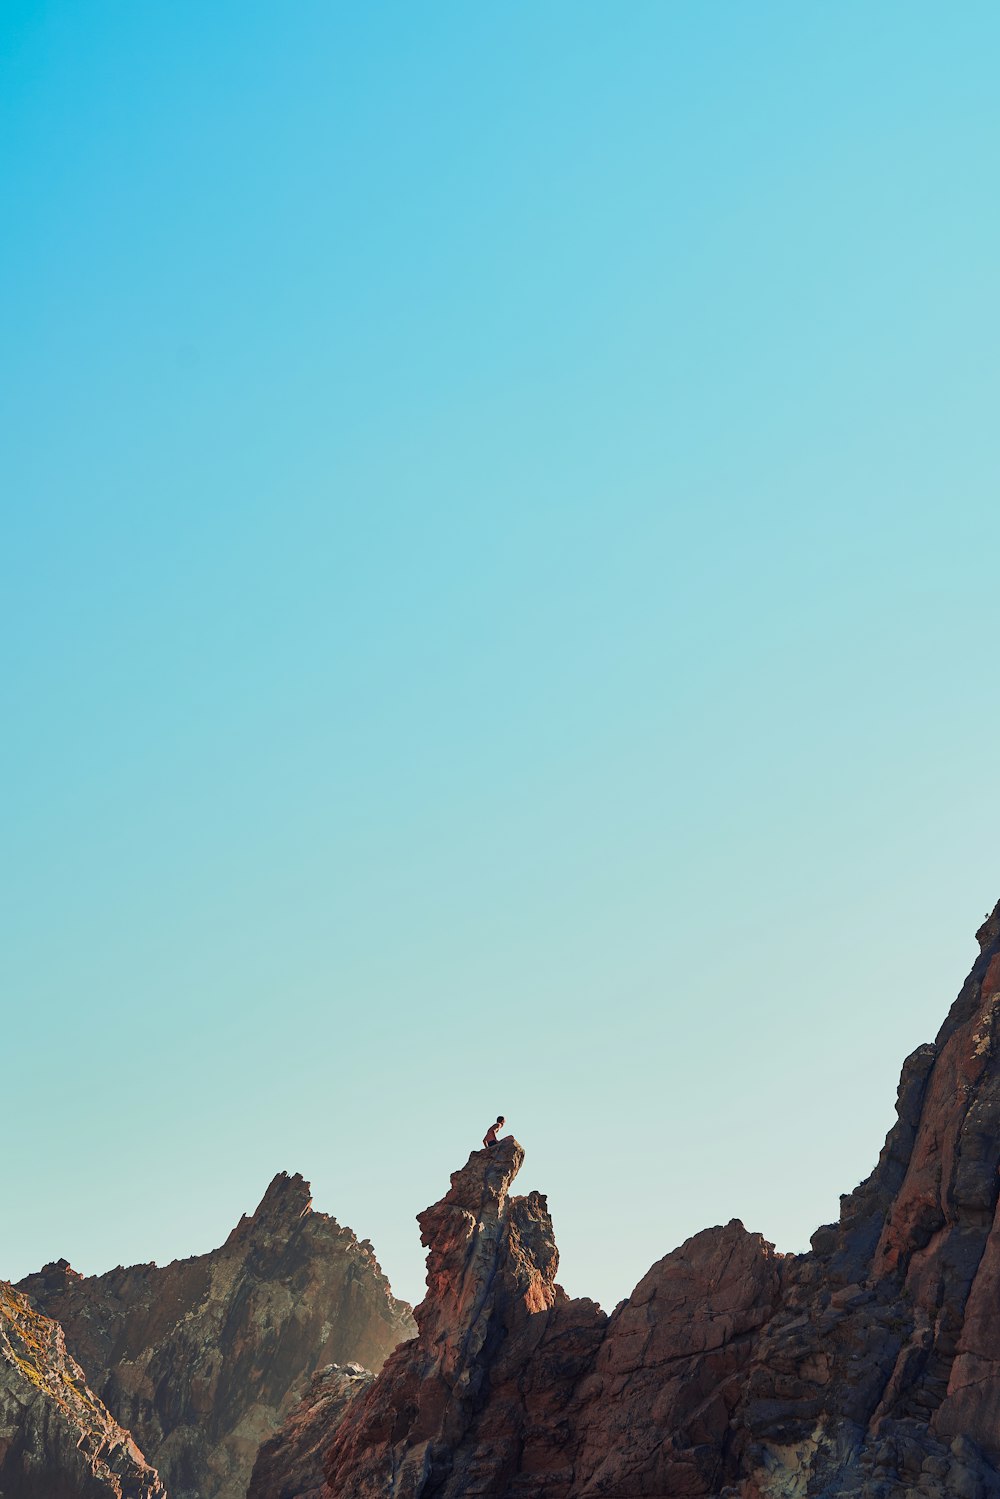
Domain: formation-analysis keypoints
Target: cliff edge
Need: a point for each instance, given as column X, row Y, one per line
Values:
column 868, row 1367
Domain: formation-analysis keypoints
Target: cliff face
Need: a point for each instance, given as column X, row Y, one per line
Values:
column 868, row 1367
column 202, row 1359
column 57, row 1441
column 514, row 1389
column 290, row 1464
column 878, row 1363
column 479, row 1398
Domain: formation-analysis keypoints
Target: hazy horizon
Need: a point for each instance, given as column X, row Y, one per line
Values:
column 498, row 599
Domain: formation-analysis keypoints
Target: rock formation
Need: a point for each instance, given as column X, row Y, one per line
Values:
column 202, row 1360
column 481, row 1400
column 57, row 1441
column 867, row 1367
column 876, row 1367
column 290, row 1464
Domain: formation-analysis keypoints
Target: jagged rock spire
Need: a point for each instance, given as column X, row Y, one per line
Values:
column 868, row 1368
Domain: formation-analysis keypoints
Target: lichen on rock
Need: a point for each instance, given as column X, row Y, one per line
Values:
column 57, row 1439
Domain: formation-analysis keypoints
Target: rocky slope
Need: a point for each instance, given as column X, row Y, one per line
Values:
column 290, row 1464
column 202, row 1360
column 868, row 1367
column 57, row 1441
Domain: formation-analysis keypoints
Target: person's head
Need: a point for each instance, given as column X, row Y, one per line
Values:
column 501, row 1119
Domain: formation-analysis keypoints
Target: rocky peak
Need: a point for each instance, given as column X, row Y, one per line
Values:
column 203, row 1358
column 287, row 1201
column 989, row 933
column 51, row 1279
column 475, row 1234
column 491, row 1301
column 866, row 1368
column 286, row 1197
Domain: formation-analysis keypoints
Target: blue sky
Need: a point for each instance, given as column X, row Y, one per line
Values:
column 499, row 607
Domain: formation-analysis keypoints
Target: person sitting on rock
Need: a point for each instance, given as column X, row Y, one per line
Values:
column 490, row 1137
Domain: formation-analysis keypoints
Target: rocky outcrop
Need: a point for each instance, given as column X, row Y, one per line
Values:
column 512, row 1388
column 674, row 1360
column 57, row 1440
column 290, row 1464
column 202, row 1359
column 868, row 1367
column 872, row 1377
column 481, row 1397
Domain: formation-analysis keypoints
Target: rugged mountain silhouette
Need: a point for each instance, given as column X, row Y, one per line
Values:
column 867, row 1367
column 202, row 1359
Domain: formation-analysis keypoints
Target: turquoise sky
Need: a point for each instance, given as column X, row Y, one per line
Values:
column 499, row 606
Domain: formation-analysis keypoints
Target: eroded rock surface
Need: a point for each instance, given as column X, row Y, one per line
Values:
column 57, row 1440
column 202, row 1360
column 674, row 1361
column 512, row 1388
column 869, row 1367
column 480, row 1401
column 290, row 1464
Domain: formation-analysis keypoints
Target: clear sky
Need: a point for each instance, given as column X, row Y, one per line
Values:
column 499, row 606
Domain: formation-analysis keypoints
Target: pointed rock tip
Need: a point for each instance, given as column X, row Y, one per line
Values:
column 50, row 1279
column 286, row 1197
column 989, row 932
column 487, row 1172
column 56, row 1268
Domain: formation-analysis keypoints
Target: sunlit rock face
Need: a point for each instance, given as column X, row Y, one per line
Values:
column 57, row 1440
column 202, row 1360
column 512, row 1388
column 869, row 1367
column 481, row 1401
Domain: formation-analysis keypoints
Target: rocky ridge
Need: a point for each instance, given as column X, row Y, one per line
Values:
column 869, row 1367
column 203, row 1358
column 57, row 1440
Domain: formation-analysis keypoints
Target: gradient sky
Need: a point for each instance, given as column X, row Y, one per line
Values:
column 499, row 607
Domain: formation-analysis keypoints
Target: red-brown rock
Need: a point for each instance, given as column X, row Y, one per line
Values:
column 869, row 1367
column 671, row 1369
column 290, row 1464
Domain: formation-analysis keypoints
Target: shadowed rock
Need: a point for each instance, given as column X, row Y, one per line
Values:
column 290, row 1464
column 57, row 1440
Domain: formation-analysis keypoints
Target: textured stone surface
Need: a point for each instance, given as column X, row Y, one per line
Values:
column 202, row 1360
column 511, row 1388
column 873, row 1364
column 672, row 1367
column 869, row 1367
column 479, row 1401
column 290, row 1464
column 57, row 1440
